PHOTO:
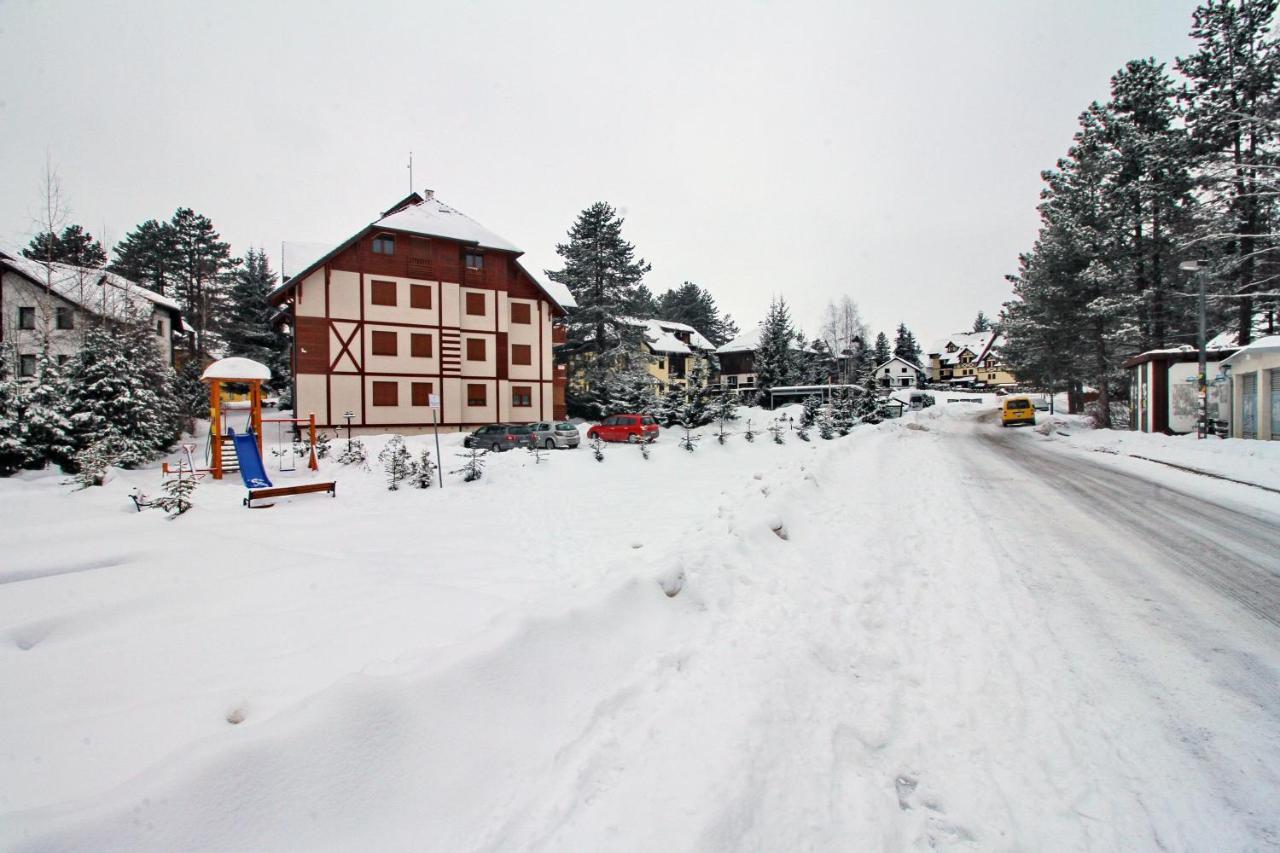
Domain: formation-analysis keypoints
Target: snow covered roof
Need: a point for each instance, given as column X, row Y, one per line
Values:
column 414, row 214
column 748, row 341
column 91, row 289
column 1271, row 343
column 902, row 361
column 661, row 337
column 236, row 368
column 978, row 343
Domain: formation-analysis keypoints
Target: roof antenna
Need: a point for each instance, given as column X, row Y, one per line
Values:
column 411, row 173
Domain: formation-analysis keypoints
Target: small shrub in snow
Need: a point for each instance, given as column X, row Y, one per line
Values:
column 749, row 434
column 826, row 423
column 177, row 494
column 396, row 462
column 597, row 448
column 776, row 429
column 726, row 407
column 354, row 454
column 842, row 411
column 689, row 441
column 92, row 462
column 809, row 414
column 324, row 445
column 644, row 444
column 424, row 472
column 536, row 452
column 473, row 468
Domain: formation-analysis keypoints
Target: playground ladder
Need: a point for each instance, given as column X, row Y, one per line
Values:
column 227, row 449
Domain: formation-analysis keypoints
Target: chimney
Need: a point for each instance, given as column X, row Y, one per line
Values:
column 428, row 194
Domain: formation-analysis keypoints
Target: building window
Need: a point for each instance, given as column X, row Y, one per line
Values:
column 733, row 381
column 476, row 350
column 421, row 393
column 520, row 312
column 662, row 364
column 386, row 393
column 419, row 296
column 26, row 366
column 475, row 261
column 475, row 305
column 521, row 354
column 384, row 343
column 64, row 319
column 477, row 395
column 383, row 292
column 160, row 327
column 384, row 244
column 420, row 346
column 521, row 395
column 27, row 317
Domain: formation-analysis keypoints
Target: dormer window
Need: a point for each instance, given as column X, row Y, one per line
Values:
column 475, row 261
column 384, row 244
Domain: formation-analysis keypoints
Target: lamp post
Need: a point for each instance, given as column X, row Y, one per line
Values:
column 348, row 415
column 1198, row 267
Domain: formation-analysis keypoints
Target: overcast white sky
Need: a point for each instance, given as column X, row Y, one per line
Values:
column 889, row 151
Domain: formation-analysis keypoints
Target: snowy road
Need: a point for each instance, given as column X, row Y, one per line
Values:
column 952, row 637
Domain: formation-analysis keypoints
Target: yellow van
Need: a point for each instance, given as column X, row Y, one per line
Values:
column 1017, row 410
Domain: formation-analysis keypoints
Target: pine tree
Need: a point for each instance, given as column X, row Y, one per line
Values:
column 397, row 462
column 669, row 408
column 148, row 255
column 981, row 323
column 120, row 389
column 695, row 409
column 597, row 448
column 178, row 491
column 249, row 331
column 775, row 359
column 473, row 467
column 354, row 454
column 689, row 441
column 826, row 423
column 905, row 345
column 809, row 411
column 882, row 351
column 74, row 246
column 695, row 306
column 424, row 472
column 46, row 432
column 92, row 462
column 13, row 392
column 204, row 268
column 602, row 273
column 777, row 430
column 726, row 405
column 643, row 304
column 842, row 411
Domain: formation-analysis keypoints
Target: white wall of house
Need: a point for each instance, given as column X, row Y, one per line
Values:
column 1184, row 398
column 1262, row 368
column 899, row 374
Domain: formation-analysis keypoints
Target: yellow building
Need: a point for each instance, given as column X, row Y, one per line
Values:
column 674, row 350
column 969, row 358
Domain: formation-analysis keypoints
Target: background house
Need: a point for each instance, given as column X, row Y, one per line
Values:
column 674, row 349
column 737, row 361
column 899, row 373
column 1163, row 393
column 422, row 302
column 969, row 358
column 55, row 303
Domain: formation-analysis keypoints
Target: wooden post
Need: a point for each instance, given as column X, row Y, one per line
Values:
column 255, row 410
column 215, row 427
column 314, row 465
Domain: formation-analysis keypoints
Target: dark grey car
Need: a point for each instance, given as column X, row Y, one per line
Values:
column 499, row 437
column 551, row 434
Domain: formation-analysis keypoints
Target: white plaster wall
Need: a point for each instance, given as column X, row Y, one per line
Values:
column 402, row 362
column 311, row 397
column 344, row 295
column 309, row 295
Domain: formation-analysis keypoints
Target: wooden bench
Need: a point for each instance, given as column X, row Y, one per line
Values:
column 282, row 491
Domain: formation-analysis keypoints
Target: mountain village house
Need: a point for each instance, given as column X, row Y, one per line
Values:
column 673, row 349
column 970, row 359
column 1163, row 392
column 1253, row 376
column 55, row 303
column 422, row 305
column 738, row 361
column 899, row 373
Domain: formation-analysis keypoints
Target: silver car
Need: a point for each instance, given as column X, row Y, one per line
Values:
column 499, row 437
column 551, row 434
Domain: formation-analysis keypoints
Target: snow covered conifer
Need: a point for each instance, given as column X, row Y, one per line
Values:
column 907, row 348
column 775, row 360
column 177, row 493
column 726, row 405
column 842, row 411
column 749, row 434
column 777, row 430
column 354, row 454
column 809, row 414
column 826, row 423
column 597, row 448
column 92, row 462
column 397, row 462
column 882, row 351
column 473, row 468
column 424, row 473
column 689, row 441
column 669, row 408
column 46, row 432
column 13, row 393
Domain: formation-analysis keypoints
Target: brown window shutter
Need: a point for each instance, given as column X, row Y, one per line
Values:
column 420, row 345
column 386, row 393
column 477, row 395
column 521, row 354
column 521, row 395
column 419, row 296
column 382, row 292
column 421, row 392
column 475, row 304
column 384, row 343
column 520, row 312
column 476, row 350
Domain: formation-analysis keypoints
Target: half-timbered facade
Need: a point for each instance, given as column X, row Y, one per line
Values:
column 423, row 305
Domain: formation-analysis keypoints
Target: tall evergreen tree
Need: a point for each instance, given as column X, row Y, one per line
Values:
column 1231, row 99
column 204, row 275
column 73, row 246
column 981, row 323
column 882, row 350
column 249, row 330
column 695, row 306
column 46, row 431
column 775, row 357
column 148, row 256
column 905, row 345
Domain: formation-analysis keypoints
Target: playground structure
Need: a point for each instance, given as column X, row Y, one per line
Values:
column 228, row 450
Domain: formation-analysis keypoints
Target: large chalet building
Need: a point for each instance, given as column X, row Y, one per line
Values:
column 422, row 305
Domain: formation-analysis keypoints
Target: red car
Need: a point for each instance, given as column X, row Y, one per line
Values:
column 624, row 428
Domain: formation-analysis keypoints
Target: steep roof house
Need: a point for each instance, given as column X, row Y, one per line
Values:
column 423, row 305
column 55, row 302
column 969, row 358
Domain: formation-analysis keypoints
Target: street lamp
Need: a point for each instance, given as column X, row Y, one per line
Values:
column 349, row 415
column 1198, row 267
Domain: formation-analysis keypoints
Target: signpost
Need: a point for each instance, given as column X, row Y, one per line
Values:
column 433, row 400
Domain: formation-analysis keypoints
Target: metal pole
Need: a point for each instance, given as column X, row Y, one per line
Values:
column 435, row 422
column 1204, row 386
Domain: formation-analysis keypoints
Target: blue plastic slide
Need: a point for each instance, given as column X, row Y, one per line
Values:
column 251, row 470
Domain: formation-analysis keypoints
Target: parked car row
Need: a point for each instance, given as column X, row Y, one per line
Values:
column 547, row 434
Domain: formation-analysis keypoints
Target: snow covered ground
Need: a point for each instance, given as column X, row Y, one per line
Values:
column 918, row 636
